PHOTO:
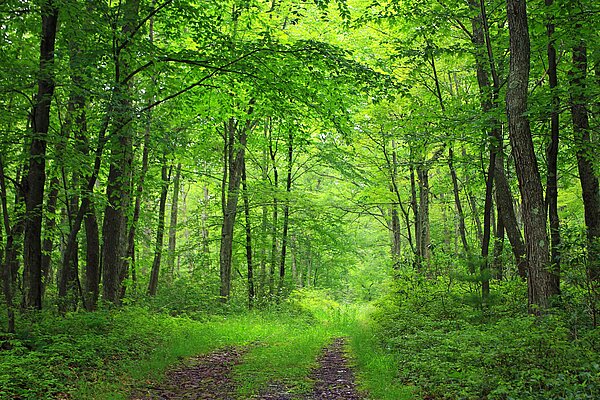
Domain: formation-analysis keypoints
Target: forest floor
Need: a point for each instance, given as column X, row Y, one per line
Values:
column 209, row 376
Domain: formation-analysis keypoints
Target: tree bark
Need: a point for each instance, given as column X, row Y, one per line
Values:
column 118, row 192
column 235, row 147
column 415, row 207
column 552, row 157
column 489, row 94
column 394, row 215
column 173, row 222
column 48, row 242
column 487, row 215
column 272, row 153
column 248, row 226
column 286, row 212
column 92, row 258
column 160, row 230
column 423, row 181
column 459, row 210
column 588, row 179
column 36, row 176
column 540, row 287
column 9, row 256
column 130, row 259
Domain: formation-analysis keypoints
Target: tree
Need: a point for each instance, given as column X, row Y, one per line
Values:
column 36, row 175
column 540, row 287
column 235, row 134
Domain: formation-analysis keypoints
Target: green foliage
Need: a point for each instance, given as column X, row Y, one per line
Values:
column 377, row 366
column 449, row 349
column 49, row 354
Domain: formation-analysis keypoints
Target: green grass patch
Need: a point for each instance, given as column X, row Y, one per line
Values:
column 377, row 368
column 285, row 356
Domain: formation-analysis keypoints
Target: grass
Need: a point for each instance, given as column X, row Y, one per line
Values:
column 377, row 369
column 106, row 354
column 286, row 356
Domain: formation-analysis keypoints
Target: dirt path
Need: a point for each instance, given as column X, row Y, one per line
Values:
column 334, row 379
column 203, row 377
column 209, row 377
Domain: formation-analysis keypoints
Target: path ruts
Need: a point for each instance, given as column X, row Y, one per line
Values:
column 209, row 377
column 334, row 379
column 203, row 377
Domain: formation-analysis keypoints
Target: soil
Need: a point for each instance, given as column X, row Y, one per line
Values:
column 209, row 377
column 202, row 377
column 334, row 379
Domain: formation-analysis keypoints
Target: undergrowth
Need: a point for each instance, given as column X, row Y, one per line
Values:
column 449, row 346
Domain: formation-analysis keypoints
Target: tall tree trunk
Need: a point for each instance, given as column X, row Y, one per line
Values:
column 205, row 247
column 139, row 191
column 114, row 228
column 36, row 176
column 415, row 207
column 286, row 212
column 423, row 180
column 264, row 225
column 585, row 157
column 251, row 291
column 509, row 218
column 394, row 215
column 160, row 230
column 497, row 266
column 489, row 94
column 552, row 157
column 235, row 147
column 92, row 259
column 459, row 210
column 173, row 222
column 48, row 242
column 272, row 153
column 487, row 215
column 540, row 287
column 9, row 257
column 296, row 274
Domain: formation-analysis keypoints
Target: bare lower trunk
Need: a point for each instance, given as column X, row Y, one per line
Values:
column 48, row 242
column 552, row 159
column 588, row 179
column 249, row 261
column 173, row 222
column 36, row 175
column 286, row 213
column 235, row 144
column 160, row 230
column 415, row 207
column 118, row 192
column 459, row 210
column 424, row 250
column 9, row 258
column 114, row 229
column 92, row 258
column 139, row 191
column 540, row 286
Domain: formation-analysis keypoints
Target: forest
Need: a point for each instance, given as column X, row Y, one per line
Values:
column 239, row 199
